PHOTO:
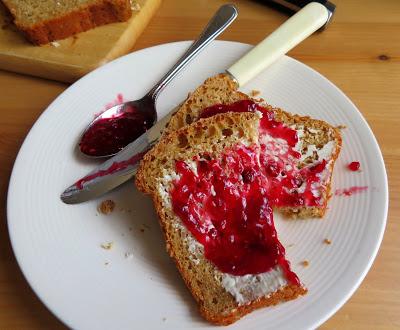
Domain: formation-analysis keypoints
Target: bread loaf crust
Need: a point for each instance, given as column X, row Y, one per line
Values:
column 84, row 18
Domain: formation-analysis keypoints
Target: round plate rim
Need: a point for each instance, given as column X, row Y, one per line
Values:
column 71, row 89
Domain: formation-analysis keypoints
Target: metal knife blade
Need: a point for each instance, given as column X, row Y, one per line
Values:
column 115, row 170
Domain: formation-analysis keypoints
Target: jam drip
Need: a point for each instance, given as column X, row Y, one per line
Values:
column 225, row 206
column 354, row 166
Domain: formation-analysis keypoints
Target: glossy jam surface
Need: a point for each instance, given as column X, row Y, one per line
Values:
column 226, row 207
column 110, row 135
column 226, row 203
column 240, row 106
column 354, row 166
column 287, row 184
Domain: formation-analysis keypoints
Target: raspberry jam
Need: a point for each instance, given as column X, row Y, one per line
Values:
column 350, row 191
column 287, row 185
column 227, row 203
column 110, row 135
column 239, row 106
column 354, row 166
column 226, row 207
column 115, row 167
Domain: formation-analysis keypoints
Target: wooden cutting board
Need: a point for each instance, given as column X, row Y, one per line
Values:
column 69, row 59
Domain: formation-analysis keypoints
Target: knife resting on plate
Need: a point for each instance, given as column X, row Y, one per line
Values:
column 123, row 166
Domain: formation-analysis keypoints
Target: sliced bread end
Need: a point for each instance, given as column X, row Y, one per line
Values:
column 68, row 22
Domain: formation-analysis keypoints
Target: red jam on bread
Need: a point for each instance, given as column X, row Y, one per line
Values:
column 226, row 203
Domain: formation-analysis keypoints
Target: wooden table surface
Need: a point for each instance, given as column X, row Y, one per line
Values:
column 359, row 52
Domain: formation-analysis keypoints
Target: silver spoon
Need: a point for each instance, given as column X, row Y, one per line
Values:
column 118, row 119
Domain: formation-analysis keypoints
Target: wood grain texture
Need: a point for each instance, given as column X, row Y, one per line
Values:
column 75, row 56
column 359, row 52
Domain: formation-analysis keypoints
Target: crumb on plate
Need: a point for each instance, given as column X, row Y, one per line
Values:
column 254, row 92
column 341, row 126
column 327, row 241
column 128, row 255
column 305, row 263
column 106, row 206
column 107, row 246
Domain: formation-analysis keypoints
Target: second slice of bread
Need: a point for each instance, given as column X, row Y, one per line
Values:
column 315, row 136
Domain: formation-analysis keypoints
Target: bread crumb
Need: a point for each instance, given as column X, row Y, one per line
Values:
column 341, row 126
column 106, row 207
column 305, row 263
column 143, row 227
column 255, row 92
column 128, row 255
column 55, row 44
column 327, row 241
column 107, row 246
column 290, row 245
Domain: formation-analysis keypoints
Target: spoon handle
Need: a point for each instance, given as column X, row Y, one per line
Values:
column 225, row 15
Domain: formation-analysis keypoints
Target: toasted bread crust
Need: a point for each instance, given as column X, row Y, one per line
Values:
column 85, row 18
column 289, row 292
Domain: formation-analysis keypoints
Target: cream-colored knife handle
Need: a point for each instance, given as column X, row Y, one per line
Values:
column 288, row 35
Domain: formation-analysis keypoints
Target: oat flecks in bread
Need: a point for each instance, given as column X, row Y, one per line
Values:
column 314, row 134
column 206, row 136
column 46, row 21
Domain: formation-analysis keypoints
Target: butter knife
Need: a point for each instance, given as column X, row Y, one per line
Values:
column 123, row 166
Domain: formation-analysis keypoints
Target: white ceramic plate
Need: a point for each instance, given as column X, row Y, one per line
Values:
column 135, row 284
